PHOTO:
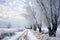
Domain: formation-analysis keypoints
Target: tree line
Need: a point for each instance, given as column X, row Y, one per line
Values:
column 50, row 10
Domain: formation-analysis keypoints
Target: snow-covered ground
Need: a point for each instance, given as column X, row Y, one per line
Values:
column 58, row 33
column 31, row 35
column 6, row 30
column 16, row 36
column 24, row 35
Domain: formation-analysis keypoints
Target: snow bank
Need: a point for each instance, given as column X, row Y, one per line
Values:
column 15, row 37
column 6, row 30
column 31, row 36
column 40, row 36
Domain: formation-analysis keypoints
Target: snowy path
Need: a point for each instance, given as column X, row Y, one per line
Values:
column 30, row 35
column 25, row 35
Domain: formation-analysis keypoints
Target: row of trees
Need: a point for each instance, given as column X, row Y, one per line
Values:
column 31, row 16
column 50, row 10
column 52, row 16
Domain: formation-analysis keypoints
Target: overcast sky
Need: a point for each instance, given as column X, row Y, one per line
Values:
column 10, row 11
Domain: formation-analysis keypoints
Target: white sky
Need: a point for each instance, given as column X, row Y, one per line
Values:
column 10, row 11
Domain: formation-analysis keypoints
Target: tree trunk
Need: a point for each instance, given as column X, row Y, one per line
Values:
column 54, row 29
column 39, row 27
column 35, row 27
column 52, row 32
column 49, row 31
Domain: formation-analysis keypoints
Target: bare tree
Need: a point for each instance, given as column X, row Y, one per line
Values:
column 9, row 25
column 32, row 16
column 53, row 19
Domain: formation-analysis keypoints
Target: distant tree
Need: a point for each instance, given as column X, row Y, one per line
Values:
column 31, row 26
column 34, row 27
column 9, row 25
column 32, row 16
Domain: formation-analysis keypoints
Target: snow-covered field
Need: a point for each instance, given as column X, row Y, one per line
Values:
column 28, row 35
column 4, row 30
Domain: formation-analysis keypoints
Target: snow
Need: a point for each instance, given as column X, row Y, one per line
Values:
column 15, row 37
column 20, row 35
column 6, row 38
column 30, row 35
column 58, row 33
